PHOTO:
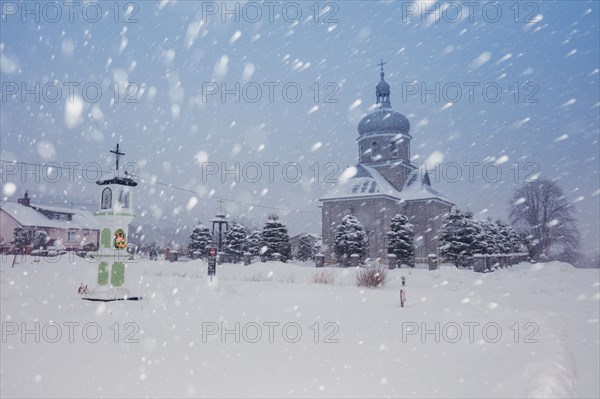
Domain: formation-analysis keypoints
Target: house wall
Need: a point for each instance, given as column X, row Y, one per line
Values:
column 7, row 227
column 8, row 224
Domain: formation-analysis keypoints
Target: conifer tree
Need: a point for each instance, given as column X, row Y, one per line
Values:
column 350, row 239
column 400, row 240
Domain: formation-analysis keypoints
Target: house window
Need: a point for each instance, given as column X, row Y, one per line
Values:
column 72, row 235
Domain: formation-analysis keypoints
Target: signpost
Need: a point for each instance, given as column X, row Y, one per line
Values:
column 212, row 262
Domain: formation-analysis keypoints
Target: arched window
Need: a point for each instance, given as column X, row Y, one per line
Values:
column 106, row 198
column 124, row 199
column 374, row 150
column 395, row 145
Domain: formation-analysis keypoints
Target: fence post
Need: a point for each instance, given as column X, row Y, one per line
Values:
column 247, row 258
column 479, row 263
column 319, row 260
column 354, row 260
column 432, row 261
column 392, row 261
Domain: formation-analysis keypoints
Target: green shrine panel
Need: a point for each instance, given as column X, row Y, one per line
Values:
column 105, row 238
column 117, row 276
column 103, row 273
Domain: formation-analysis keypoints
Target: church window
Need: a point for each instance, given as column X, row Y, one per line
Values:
column 364, row 187
column 374, row 149
column 124, row 199
column 106, row 198
column 395, row 145
column 373, row 187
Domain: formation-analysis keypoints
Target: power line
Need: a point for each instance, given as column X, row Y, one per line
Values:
column 169, row 185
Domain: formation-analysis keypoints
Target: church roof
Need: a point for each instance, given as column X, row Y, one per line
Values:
column 384, row 120
column 368, row 182
column 123, row 181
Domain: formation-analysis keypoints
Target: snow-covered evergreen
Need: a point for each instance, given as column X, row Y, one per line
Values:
column 20, row 239
column 252, row 243
column 463, row 236
column 200, row 240
column 350, row 239
column 305, row 248
column 275, row 239
column 235, row 240
column 459, row 238
column 40, row 239
column 400, row 240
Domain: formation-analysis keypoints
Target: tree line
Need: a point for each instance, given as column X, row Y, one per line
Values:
column 541, row 224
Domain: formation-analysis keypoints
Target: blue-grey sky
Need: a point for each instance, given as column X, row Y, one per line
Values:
column 544, row 56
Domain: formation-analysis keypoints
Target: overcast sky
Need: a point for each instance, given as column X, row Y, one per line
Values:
column 544, row 57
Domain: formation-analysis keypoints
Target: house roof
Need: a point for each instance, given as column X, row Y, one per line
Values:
column 368, row 182
column 29, row 217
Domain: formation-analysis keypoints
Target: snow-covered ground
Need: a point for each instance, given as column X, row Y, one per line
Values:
column 555, row 355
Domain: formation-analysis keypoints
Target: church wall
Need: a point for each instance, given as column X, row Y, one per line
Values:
column 386, row 146
column 374, row 214
column 427, row 218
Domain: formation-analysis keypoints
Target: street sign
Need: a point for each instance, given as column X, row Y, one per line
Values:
column 212, row 262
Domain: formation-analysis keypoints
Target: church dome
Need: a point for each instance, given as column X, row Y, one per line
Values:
column 384, row 120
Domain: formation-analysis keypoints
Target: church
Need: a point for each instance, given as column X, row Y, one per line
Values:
column 385, row 183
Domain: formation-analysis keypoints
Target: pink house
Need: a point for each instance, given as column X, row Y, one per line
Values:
column 72, row 227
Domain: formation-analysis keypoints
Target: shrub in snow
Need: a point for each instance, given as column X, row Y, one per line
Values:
column 371, row 277
column 275, row 239
column 200, row 240
column 400, row 240
column 324, row 277
column 305, row 249
column 350, row 239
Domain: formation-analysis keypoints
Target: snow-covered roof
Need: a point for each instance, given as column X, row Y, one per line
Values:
column 368, row 182
column 28, row 216
column 418, row 189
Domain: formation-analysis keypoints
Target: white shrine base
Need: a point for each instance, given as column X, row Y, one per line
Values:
column 109, row 294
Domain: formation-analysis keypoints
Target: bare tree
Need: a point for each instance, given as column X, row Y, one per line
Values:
column 540, row 210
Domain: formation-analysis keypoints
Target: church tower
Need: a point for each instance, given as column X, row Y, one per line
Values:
column 384, row 138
